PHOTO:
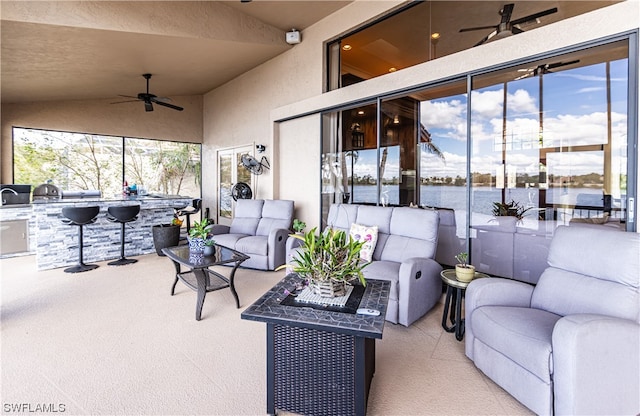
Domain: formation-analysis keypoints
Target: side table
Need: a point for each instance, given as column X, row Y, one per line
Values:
column 453, row 305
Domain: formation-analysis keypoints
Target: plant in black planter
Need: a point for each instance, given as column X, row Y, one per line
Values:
column 197, row 236
column 166, row 235
column 509, row 209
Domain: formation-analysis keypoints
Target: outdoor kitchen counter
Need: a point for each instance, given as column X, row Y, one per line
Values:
column 56, row 243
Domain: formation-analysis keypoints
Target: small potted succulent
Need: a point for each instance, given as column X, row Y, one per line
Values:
column 299, row 226
column 464, row 271
column 197, row 236
column 209, row 247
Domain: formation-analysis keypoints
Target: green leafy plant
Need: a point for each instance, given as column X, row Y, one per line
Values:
column 199, row 229
column 462, row 259
column 299, row 226
column 330, row 255
column 509, row 209
column 209, row 242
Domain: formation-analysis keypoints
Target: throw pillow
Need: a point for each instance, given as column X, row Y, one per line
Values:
column 367, row 234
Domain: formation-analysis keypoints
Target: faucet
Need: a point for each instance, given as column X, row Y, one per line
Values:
column 2, row 201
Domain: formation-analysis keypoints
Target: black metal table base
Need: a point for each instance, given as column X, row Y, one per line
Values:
column 453, row 310
column 201, row 283
column 81, row 267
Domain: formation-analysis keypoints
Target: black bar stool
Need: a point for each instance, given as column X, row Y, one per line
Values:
column 80, row 216
column 123, row 215
column 188, row 211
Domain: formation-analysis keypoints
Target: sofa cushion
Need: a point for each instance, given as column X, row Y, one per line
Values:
column 253, row 244
column 523, row 335
column 341, row 216
column 372, row 215
column 367, row 235
column 275, row 214
column 228, row 240
column 385, row 270
column 246, row 216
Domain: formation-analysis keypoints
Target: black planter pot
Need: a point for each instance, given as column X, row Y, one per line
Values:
column 165, row 235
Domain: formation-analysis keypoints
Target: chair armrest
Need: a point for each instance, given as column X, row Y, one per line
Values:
column 596, row 358
column 216, row 229
column 493, row 291
column 496, row 291
column 419, row 288
column 277, row 242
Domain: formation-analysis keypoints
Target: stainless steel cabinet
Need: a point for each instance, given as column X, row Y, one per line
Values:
column 14, row 237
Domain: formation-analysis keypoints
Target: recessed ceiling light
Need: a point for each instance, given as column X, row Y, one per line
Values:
column 346, row 47
column 435, row 36
column 360, row 112
column 393, row 69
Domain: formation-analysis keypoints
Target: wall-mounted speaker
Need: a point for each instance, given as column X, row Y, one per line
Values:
column 293, row 37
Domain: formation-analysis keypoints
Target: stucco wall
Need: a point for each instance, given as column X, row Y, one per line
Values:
column 101, row 117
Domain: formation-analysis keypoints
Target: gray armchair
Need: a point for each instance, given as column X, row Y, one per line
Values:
column 570, row 344
column 259, row 229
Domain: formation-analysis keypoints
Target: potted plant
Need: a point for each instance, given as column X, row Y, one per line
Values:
column 299, row 226
column 209, row 247
column 464, row 271
column 509, row 209
column 166, row 235
column 328, row 261
column 197, row 235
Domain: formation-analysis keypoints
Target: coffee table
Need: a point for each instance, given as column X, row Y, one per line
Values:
column 319, row 361
column 199, row 277
column 453, row 305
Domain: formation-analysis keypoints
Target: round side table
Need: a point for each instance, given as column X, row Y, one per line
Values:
column 453, row 305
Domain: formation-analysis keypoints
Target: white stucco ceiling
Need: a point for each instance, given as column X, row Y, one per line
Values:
column 78, row 50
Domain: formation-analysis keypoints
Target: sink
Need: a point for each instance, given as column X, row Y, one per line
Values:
column 15, row 194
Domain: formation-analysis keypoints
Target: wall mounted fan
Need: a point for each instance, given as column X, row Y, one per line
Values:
column 241, row 191
column 149, row 99
column 508, row 27
column 254, row 165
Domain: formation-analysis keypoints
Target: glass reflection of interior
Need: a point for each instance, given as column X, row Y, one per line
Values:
column 549, row 136
column 427, row 30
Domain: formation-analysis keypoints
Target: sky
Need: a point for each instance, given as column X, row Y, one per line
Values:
column 574, row 113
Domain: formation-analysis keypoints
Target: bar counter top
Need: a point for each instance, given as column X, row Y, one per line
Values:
column 55, row 243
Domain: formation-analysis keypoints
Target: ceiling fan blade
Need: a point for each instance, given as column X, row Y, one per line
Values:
column 506, row 13
column 127, row 96
column 468, row 29
column 175, row 107
column 534, row 16
column 559, row 64
column 486, row 38
column 127, row 101
column 148, row 106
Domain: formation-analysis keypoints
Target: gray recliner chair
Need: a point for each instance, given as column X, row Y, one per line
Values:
column 570, row 344
column 259, row 229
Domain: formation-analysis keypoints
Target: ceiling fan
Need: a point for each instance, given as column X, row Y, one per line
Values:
column 149, row 98
column 543, row 69
column 508, row 27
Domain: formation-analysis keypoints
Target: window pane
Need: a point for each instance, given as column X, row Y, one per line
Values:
column 226, row 182
column 72, row 161
column 550, row 137
column 171, row 168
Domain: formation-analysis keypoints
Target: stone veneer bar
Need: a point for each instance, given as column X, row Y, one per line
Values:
column 56, row 243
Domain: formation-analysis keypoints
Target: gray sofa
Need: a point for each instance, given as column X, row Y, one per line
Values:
column 404, row 255
column 570, row 344
column 259, row 229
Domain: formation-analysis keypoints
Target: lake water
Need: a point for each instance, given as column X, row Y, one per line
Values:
column 455, row 197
